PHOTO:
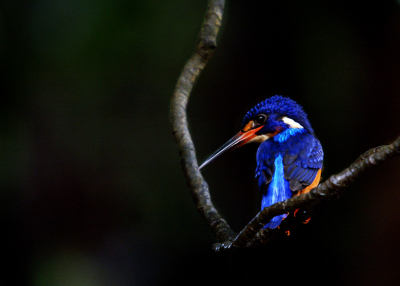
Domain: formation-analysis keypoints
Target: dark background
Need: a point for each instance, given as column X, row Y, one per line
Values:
column 92, row 192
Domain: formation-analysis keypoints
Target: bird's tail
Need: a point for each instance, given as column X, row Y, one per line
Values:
column 276, row 221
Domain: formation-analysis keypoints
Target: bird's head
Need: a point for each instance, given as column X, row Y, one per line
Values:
column 265, row 120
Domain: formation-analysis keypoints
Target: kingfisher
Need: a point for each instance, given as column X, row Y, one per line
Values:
column 289, row 158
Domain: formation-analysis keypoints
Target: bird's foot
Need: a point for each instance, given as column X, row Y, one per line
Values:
column 305, row 221
column 287, row 232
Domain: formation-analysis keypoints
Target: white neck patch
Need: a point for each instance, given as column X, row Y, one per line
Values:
column 291, row 123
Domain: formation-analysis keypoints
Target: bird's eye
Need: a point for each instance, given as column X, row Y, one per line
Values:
column 260, row 119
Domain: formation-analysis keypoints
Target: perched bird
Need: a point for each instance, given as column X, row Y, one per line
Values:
column 289, row 158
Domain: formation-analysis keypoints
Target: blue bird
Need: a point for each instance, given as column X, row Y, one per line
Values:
column 289, row 158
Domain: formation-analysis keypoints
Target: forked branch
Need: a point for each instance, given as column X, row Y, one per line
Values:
column 253, row 234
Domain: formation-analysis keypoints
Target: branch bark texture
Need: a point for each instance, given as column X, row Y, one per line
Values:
column 207, row 42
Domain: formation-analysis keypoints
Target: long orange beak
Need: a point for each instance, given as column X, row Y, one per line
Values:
column 237, row 141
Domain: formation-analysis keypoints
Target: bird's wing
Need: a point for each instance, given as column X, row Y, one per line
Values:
column 302, row 159
column 264, row 172
column 301, row 168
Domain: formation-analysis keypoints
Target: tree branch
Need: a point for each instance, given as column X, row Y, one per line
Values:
column 329, row 190
column 198, row 186
column 253, row 234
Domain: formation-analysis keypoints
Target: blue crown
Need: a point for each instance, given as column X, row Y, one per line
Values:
column 282, row 106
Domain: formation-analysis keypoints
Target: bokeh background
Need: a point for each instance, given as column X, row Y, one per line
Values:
column 92, row 192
